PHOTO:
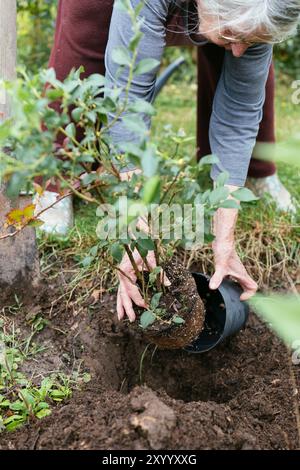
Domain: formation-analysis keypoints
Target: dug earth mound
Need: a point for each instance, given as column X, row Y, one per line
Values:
column 239, row 396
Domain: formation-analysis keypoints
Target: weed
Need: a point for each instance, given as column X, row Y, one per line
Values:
column 23, row 398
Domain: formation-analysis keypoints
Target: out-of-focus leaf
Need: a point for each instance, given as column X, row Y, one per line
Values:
column 145, row 65
column 282, row 313
column 218, row 195
column 209, row 160
column 244, row 195
column 151, row 190
column 121, row 56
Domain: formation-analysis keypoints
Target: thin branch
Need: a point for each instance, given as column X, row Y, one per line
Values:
column 13, row 234
column 133, row 263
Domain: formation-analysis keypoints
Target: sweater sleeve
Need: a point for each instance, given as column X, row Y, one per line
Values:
column 238, row 110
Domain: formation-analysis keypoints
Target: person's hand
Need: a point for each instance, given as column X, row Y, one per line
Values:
column 128, row 291
column 228, row 263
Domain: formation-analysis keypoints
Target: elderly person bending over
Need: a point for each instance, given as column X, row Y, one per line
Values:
column 245, row 30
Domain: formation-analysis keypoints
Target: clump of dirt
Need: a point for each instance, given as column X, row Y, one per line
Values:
column 180, row 299
column 238, row 396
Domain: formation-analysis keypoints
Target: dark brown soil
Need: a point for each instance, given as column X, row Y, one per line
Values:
column 238, row 396
column 181, row 299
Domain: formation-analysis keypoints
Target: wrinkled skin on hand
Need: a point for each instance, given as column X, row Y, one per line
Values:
column 128, row 291
column 227, row 261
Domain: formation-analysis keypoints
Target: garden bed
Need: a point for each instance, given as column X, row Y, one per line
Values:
column 239, row 396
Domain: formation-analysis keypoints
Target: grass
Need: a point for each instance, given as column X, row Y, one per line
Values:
column 177, row 106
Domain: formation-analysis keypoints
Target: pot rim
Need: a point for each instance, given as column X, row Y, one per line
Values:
column 229, row 317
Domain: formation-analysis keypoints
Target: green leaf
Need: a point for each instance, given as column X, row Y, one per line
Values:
column 13, row 422
column 94, row 250
column 117, row 251
column 282, row 313
column 43, row 413
column 46, row 385
column 35, row 223
column 178, row 320
column 13, row 418
column 86, row 158
column 71, row 130
column 146, row 243
column 145, row 65
column 96, row 80
column 142, row 106
column 154, row 273
column 86, row 377
column 218, row 195
column 18, row 406
column 121, row 5
column 89, row 178
column 54, row 94
column 147, row 319
column 42, row 405
column 151, row 190
column 57, row 395
column 5, row 404
column 202, row 198
column 132, row 149
column 155, row 300
column 209, row 160
column 244, row 195
column 230, row 204
column 91, row 116
column 135, row 124
column 121, row 56
column 222, row 178
column 76, row 114
column 87, row 261
column 149, row 161
column 135, row 40
column 5, row 130
column 27, row 397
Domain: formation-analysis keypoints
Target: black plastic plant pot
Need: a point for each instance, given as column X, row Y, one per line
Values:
column 225, row 313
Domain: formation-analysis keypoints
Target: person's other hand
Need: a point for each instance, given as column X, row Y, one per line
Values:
column 128, row 291
column 228, row 263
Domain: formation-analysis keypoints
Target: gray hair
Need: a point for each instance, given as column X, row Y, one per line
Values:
column 278, row 19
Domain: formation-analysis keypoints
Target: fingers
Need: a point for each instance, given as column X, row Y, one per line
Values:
column 151, row 260
column 250, row 288
column 217, row 279
column 127, row 305
column 246, row 295
column 127, row 295
column 128, row 292
column 134, row 294
column 248, row 285
column 120, row 309
column 166, row 282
